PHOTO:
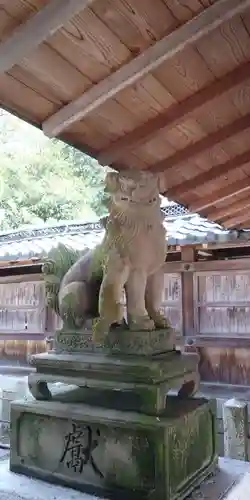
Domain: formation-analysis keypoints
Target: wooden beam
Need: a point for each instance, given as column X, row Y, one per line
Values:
column 244, row 225
column 239, row 264
column 188, row 254
column 220, row 213
column 237, row 220
column 220, row 195
column 173, row 115
column 212, row 174
column 163, row 50
column 28, row 36
column 206, row 340
column 204, row 144
column 20, row 336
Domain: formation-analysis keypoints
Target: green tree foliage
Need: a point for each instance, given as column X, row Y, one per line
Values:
column 87, row 168
column 45, row 180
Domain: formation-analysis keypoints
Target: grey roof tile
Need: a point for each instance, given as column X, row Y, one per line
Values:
column 34, row 242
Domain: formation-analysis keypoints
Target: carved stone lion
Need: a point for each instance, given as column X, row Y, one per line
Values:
column 130, row 257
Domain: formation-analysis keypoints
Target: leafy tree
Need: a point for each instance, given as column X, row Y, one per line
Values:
column 87, row 168
column 45, row 180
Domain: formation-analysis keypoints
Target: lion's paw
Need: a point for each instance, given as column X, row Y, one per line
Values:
column 160, row 320
column 142, row 323
column 100, row 331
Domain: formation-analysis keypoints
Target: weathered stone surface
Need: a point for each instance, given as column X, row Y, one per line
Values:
column 130, row 258
column 120, row 341
column 112, row 452
column 235, row 423
column 141, row 381
column 123, row 435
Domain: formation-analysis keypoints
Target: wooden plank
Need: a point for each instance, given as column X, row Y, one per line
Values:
column 225, row 365
column 47, row 72
column 22, row 278
column 231, row 240
column 212, row 174
column 188, row 255
column 244, row 225
column 226, row 304
column 233, row 222
column 233, row 342
column 171, row 305
column 28, row 36
column 173, row 267
column 206, row 143
column 232, row 208
column 223, row 303
column 207, row 266
column 223, row 265
column 220, row 195
column 173, row 115
column 22, row 336
column 29, row 104
column 137, row 24
column 188, row 34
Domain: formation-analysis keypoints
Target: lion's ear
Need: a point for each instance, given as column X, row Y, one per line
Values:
column 161, row 183
column 111, row 181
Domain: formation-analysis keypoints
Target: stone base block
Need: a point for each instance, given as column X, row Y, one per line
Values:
column 142, row 382
column 112, row 453
column 120, row 340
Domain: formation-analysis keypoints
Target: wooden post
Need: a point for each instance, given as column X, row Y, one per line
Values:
column 235, row 423
column 188, row 255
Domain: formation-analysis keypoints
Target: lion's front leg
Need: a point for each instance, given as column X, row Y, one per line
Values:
column 110, row 297
column 153, row 299
column 138, row 318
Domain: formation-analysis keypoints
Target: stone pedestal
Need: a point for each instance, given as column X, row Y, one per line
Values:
column 115, row 453
column 142, row 381
column 117, row 434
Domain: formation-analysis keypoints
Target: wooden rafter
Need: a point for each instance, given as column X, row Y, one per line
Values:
column 244, row 225
column 203, row 145
column 188, row 34
column 212, row 174
column 174, row 115
column 237, row 220
column 220, row 195
column 231, row 209
column 28, row 36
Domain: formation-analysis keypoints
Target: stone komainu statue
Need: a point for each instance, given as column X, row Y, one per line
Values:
column 90, row 285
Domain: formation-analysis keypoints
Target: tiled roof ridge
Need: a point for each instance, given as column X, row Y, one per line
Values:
column 75, row 226
column 50, row 230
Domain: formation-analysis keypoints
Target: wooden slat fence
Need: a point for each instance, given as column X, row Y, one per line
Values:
column 208, row 301
column 23, row 315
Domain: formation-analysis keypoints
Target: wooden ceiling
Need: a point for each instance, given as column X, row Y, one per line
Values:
column 161, row 85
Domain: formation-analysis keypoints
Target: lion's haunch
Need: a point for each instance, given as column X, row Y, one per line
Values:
column 82, row 282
